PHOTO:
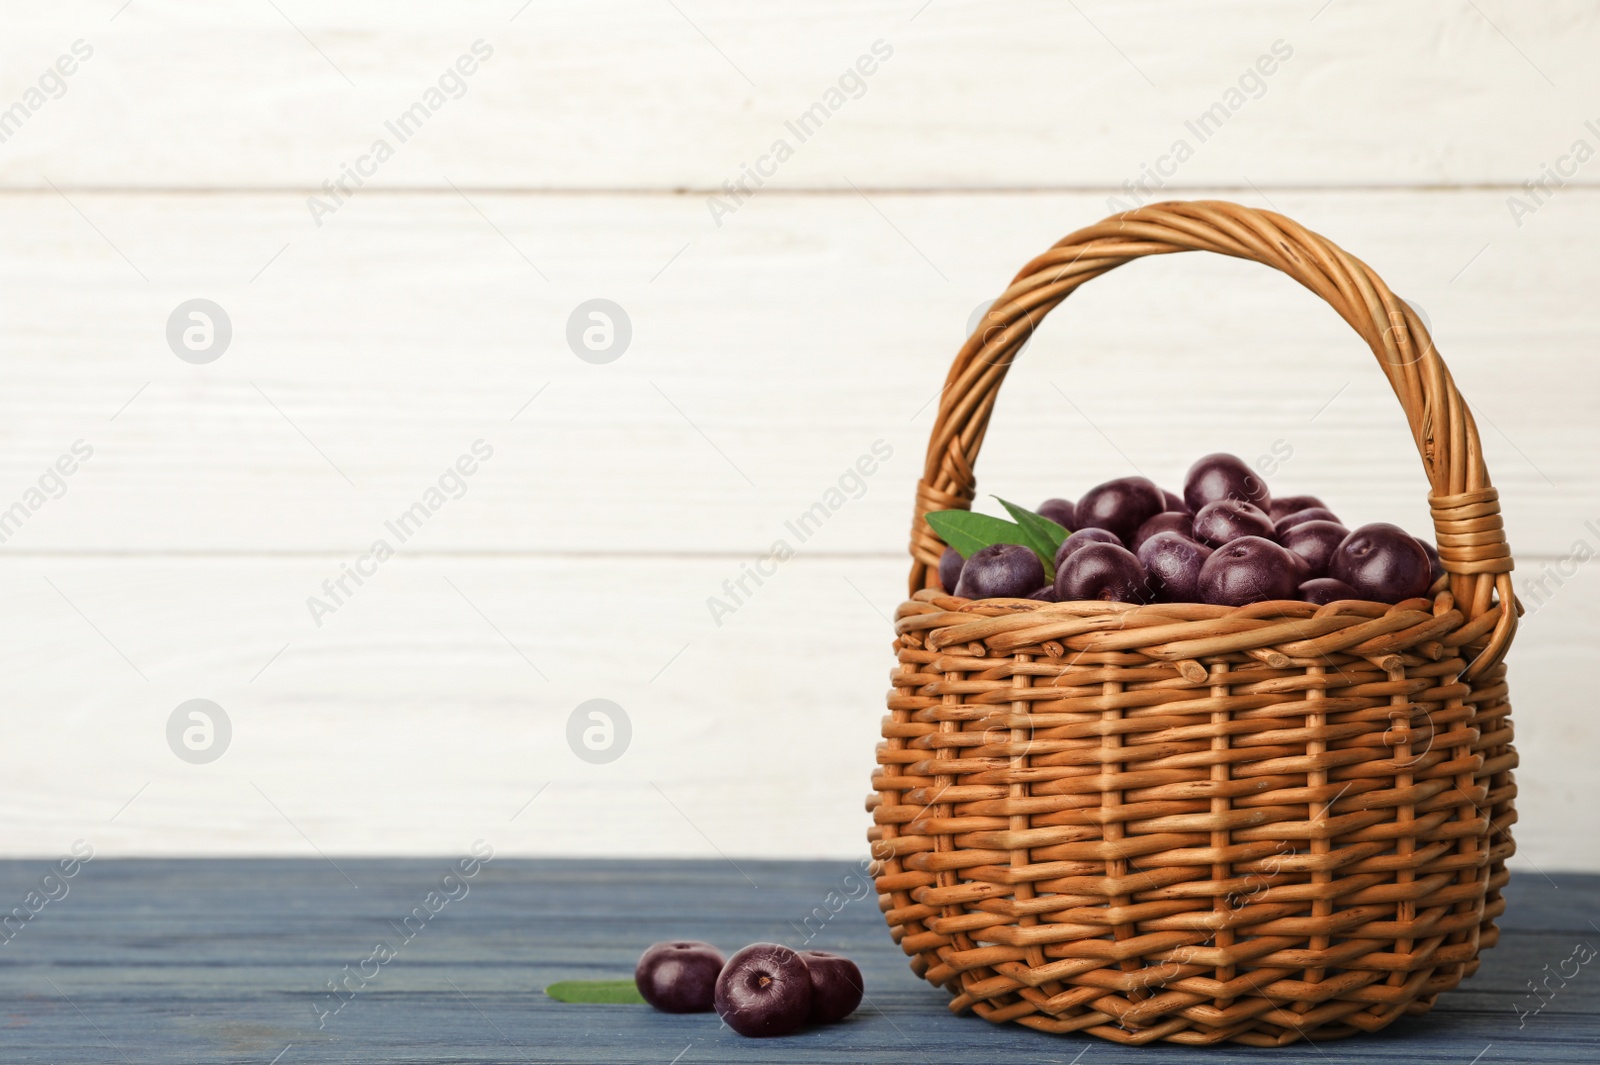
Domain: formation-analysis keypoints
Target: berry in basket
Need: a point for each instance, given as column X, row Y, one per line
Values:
column 1173, row 562
column 1120, row 506
column 1061, row 511
column 1227, row 520
column 1221, row 476
column 1082, row 538
column 1298, row 517
column 1237, row 546
column 1315, row 542
column 1000, row 571
column 1382, row 562
column 1180, row 522
column 1285, row 505
column 1250, row 569
column 1102, row 571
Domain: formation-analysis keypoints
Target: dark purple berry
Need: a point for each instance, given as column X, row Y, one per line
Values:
column 1249, row 570
column 1166, row 521
column 1285, row 505
column 1382, row 562
column 1047, row 594
column 1000, row 571
column 679, row 976
column 1220, row 476
column 1289, row 521
column 950, row 564
column 1173, row 562
column 836, row 986
column 1060, row 511
column 1174, row 502
column 765, row 990
column 1228, row 519
column 1325, row 590
column 1315, row 542
column 1120, row 506
column 1081, row 537
column 1107, row 572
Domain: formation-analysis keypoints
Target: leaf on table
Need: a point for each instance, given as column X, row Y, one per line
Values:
column 603, row 992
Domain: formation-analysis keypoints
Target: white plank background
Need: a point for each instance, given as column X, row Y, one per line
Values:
column 634, row 94
column 768, row 353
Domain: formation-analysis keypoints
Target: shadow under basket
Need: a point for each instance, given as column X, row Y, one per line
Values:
column 1194, row 823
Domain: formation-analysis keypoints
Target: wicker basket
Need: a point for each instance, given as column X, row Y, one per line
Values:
column 1193, row 823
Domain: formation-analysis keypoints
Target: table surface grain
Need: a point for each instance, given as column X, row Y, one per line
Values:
column 230, row 961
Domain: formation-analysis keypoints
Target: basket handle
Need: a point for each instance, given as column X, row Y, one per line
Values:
column 1466, row 508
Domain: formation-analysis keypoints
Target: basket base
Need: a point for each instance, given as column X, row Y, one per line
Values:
column 1297, row 830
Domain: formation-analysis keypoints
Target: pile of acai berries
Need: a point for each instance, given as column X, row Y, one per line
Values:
column 766, row 989
column 1225, row 541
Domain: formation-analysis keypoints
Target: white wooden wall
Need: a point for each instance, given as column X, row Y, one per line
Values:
column 769, row 352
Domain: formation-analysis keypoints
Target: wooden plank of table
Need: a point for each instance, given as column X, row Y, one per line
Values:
column 153, row 960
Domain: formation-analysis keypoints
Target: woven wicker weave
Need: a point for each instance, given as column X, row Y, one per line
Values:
column 1193, row 823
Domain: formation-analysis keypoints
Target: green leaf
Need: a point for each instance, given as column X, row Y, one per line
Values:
column 968, row 532
column 605, row 992
column 1045, row 535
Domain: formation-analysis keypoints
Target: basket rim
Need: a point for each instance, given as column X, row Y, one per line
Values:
column 1281, row 633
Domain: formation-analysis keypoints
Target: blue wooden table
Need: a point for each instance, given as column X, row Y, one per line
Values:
column 233, row 961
